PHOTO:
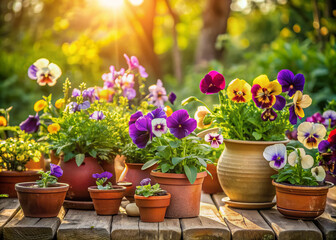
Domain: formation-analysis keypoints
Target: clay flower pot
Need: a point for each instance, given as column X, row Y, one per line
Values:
column 8, row 179
column 185, row 197
column 107, row 202
column 244, row 174
column 41, row 202
column 301, row 202
column 133, row 173
column 153, row 208
column 40, row 165
column 211, row 184
column 79, row 178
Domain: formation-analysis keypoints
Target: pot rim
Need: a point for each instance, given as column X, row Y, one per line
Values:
column 295, row 187
column 8, row 173
column 116, row 188
column 256, row 142
column 124, row 184
column 25, row 187
column 176, row 175
column 134, row 164
column 152, row 198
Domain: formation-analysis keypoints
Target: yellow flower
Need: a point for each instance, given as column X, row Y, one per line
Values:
column 105, row 94
column 54, row 128
column 40, row 105
column 3, row 121
column 301, row 101
column 3, row 149
column 239, row 91
column 59, row 103
column 200, row 115
column 168, row 110
column 264, row 92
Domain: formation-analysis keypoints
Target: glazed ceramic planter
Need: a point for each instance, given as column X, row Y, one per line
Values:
column 79, row 178
column 8, row 179
column 185, row 197
column 153, row 208
column 301, row 202
column 107, row 202
column 41, row 202
column 211, row 184
column 133, row 173
column 243, row 172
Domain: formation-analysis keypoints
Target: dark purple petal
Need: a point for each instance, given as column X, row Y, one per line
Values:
column 145, row 181
column 96, row 175
column 299, row 82
column 135, row 117
column 180, row 115
column 143, row 123
column 106, row 175
column 157, row 113
column 32, row 70
column 205, row 83
column 31, row 124
column 217, row 79
column 254, row 91
column 285, row 78
column 190, row 125
column 179, row 132
column 291, row 135
column 142, row 140
column 323, row 146
column 292, row 116
column 56, row 170
column 141, row 131
column 172, row 98
column 280, row 103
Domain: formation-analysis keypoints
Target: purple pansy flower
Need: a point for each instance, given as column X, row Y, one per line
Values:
column 102, row 175
column 135, row 117
column 90, row 94
column 180, row 124
column 145, row 181
column 277, row 155
column 74, row 107
column 133, row 63
column 280, row 103
column 329, row 116
column 76, row 92
column 31, row 124
column 269, row 114
column 214, row 139
column 316, row 118
column 97, row 115
column 172, row 97
column 292, row 135
column 158, row 94
column 213, row 82
column 323, row 146
column 291, row 83
column 159, row 126
column 157, row 113
column 55, row 170
column 141, row 131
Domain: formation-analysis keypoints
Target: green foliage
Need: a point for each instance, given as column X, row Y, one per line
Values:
column 149, row 190
column 46, row 179
column 100, row 184
column 134, row 154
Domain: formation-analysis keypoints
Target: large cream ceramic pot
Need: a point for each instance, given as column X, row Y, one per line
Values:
column 243, row 172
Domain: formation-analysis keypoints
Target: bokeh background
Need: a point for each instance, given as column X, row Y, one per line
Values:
column 177, row 41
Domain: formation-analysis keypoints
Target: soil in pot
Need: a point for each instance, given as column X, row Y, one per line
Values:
column 133, row 173
column 185, row 197
column 8, row 179
column 153, row 208
column 211, row 184
column 41, row 202
column 107, row 202
column 301, row 202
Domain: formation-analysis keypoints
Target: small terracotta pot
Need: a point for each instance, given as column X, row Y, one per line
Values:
column 185, row 197
column 301, row 202
column 41, row 202
column 8, row 179
column 211, row 184
column 107, row 202
column 153, row 208
column 133, row 173
column 79, row 178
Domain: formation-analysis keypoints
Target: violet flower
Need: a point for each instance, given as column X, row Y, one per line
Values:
column 316, row 118
column 214, row 139
column 276, row 155
column 31, row 124
column 76, row 92
column 291, row 83
column 97, row 115
column 135, row 117
column 180, row 124
column 106, row 175
column 130, row 93
column 213, row 82
column 329, row 116
column 56, row 170
column 269, row 114
column 158, row 94
column 292, row 135
column 133, row 63
column 141, row 131
column 157, row 113
column 90, row 94
column 145, row 181
column 159, row 126
column 172, row 97
column 323, row 146
column 74, row 107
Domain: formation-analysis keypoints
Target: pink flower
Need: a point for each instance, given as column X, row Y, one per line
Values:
column 133, row 63
column 213, row 82
column 214, row 138
column 158, row 94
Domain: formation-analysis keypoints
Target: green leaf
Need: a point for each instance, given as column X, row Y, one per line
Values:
column 201, row 160
column 257, row 136
column 68, row 156
column 165, row 167
column 175, row 144
column 191, row 173
column 80, row 159
column 149, row 164
column 93, row 153
column 188, row 100
column 176, row 160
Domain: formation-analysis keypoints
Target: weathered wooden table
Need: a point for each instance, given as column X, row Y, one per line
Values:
column 216, row 221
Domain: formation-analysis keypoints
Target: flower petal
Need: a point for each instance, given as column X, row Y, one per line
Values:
column 280, row 103
column 306, row 101
column 304, row 129
column 261, row 80
column 292, row 115
column 285, row 77
column 274, row 88
column 292, row 158
column 32, row 70
column 307, row 161
column 323, row 146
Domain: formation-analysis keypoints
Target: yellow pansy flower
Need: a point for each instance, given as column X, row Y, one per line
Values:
column 59, row 103
column 40, row 105
column 54, row 128
column 239, row 91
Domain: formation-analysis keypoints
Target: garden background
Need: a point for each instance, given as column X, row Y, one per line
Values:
column 177, row 41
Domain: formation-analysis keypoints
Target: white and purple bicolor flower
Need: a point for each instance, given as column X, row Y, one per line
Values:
column 44, row 72
column 97, row 115
column 158, row 95
column 214, row 139
column 277, row 155
column 330, row 118
column 159, row 126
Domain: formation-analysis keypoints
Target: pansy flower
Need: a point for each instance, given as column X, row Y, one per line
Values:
column 145, row 181
column 135, row 117
column 76, row 92
column 214, row 139
column 239, row 91
column 291, row 135
column 3, row 121
column 106, row 175
column 141, row 131
column 133, row 63
column 157, row 94
column 59, row 103
column 213, row 82
column 200, row 115
column 290, row 83
column 90, row 94
column 31, row 124
column 157, row 113
column 330, row 118
column 276, row 155
column 264, row 92
column 112, row 75
column 316, row 118
column 180, row 124
column 97, row 115
column 319, row 173
column 55, row 170
column 129, row 93
column 269, row 114
column 300, row 102
column 307, row 161
column 311, row 134
column 159, row 126
column 44, row 72
column 324, row 146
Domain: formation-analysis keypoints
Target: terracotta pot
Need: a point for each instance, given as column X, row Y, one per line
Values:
column 185, row 197
column 8, row 179
column 133, row 173
column 41, row 202
column 300, row 202
column 54, row 158
column 243, row 172
column 211, row 184
column 107, row 202
column 32, row 165
column 152, row 209
column 79, row 178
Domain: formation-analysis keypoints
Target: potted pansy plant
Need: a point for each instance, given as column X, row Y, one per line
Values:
column 179, row 155
column 300, row 187
column 251, row 118
column 45, row 197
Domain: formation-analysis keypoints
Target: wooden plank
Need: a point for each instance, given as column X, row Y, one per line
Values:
column 209, row 225
column 148, row 231
column 8, row 208
column 327, row 224
column 84, row 224
column 289, row 229
column 170, row 229
column 26, row 228
column 243, row 224
column 125, row 228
